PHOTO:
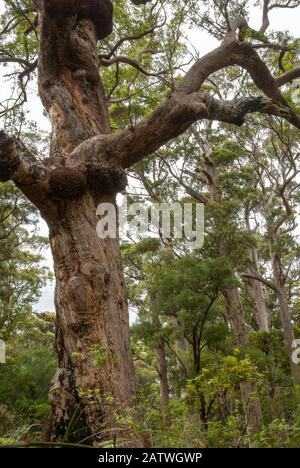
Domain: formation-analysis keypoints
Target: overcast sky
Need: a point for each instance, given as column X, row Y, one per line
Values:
column 281, row 20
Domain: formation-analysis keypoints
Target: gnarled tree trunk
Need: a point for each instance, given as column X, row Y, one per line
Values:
column 95, row 373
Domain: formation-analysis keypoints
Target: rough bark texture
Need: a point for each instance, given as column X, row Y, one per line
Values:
column 95, row 373
column 94, row 363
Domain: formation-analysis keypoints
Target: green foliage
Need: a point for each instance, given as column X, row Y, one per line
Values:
column 230, row 372
column 21, row 273
column 25, row 382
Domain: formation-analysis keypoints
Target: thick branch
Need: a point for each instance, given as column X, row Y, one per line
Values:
column 235, row 52
column 188, row 103
column 288, row 4
column 20, row 166
column 17, row 164
column 20, row 61
column 235, row 111
column 171, row 119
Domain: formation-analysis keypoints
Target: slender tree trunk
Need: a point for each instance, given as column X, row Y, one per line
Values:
column 235, row 314
column 162, row 366
column 256, row 293
column 163, row 380
column 254, row 287
column 285, row 317
column 249, row 392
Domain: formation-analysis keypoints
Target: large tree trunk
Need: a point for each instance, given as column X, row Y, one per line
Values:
column 95, row 375
column 86, row 166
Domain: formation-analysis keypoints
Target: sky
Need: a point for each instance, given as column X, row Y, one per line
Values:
column 281, row 20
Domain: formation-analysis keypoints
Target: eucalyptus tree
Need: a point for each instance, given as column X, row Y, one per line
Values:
column 87, row 162
column 274, row 151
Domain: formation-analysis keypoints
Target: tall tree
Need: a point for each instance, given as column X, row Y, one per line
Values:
column 87, row 165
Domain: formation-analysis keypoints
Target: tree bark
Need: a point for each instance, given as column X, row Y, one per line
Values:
column 256, row 293
column 235, row 315
column 86, row 166
column 163, row 380
column 95, row 375
column 236, row 318
column 254, row 287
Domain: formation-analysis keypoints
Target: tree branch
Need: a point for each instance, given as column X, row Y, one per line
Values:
column 128, row 38
column 188, row 104
column 288, row 4
column 17, row 164
column 288, row 77
column 20, row 166
column 128, row 61
column 260, row 278
column 265, row 18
